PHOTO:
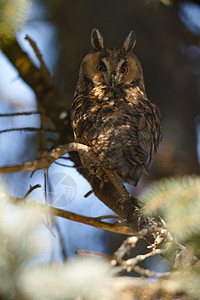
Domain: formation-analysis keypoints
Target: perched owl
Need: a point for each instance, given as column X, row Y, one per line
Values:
column 111, row 112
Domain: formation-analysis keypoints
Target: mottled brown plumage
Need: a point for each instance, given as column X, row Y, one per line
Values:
column 111, row 112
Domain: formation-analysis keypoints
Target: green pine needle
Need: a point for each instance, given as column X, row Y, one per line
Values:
column 177, row 200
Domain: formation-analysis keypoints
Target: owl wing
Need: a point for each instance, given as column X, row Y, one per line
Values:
column 149, row 130
column 144, row 136
column 83, row 121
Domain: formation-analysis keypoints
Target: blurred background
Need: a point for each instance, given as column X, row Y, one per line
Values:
column 168, row 46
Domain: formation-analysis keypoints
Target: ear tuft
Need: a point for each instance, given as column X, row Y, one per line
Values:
column 130, row 42
column 96, row 40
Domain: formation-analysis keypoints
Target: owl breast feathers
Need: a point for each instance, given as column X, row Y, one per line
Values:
column 112, row 114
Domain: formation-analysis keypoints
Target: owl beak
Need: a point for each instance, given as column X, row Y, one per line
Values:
column 112, row 79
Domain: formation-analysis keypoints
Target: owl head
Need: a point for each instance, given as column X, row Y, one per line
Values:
column 112, row 66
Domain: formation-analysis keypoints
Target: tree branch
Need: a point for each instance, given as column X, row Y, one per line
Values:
column 145, row 288
column 95, row 222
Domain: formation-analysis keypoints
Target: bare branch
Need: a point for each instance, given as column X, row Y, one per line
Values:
column 95, row 222
column 148, row 273
column 146, row 288
column 108, row 217
column 25, row 113
column 47, row 160
column 43, row 162
column 83, row 252
column 131, row 262
column 32, row 188
column 122, row 268
column 129, row 243
column 88, row 220
column 39, row 56
column 27, row 129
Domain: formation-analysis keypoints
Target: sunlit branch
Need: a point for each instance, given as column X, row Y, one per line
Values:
column 39, row 55
column 89, row 221
column 28, row 113
column 84, row 252
column 32, row 188
column 108, row 217
column 131, row 262
column 125, row 266
column 27, row 129
column 47, row 160
column 143, row 288
column 148, row 273
column 128, row 244
column 141, row 271
column 95, row 222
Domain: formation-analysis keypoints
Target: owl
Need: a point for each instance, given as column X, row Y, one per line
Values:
column 112, row 114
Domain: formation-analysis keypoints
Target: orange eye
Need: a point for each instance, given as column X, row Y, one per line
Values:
column 101, row 68
column 124, row 70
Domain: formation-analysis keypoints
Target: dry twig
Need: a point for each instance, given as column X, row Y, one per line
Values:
column 32, row 188
column 39, row 56
column 143, row 288
column 95, row 222
column 25, row 113
column 45, row 162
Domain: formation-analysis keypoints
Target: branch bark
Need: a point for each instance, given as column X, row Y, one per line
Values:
column 146, row 288
column 95, row 222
